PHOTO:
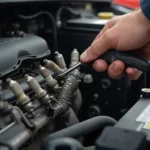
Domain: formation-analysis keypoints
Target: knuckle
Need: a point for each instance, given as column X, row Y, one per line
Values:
column 108, row 24
column 92, row 46
column 106, row 36
column 93, row 50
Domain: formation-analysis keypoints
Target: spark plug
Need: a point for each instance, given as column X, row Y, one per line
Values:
column 23, row 99
column 40, row 93
column 60, row 60
column 47, row 76
column 52, row 66
column 74, row 57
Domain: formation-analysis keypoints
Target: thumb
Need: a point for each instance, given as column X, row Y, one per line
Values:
column 98, row 47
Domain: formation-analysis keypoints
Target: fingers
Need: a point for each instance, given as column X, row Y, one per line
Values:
column 133, row 73
column 98, row 47
column 116, row 70
column 101, row 32
column 100, row 65
column 108, row 26
column 101, row 43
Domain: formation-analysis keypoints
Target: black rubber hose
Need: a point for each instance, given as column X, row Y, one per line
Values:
column 64, row 144
column 81, row 129
column 72, row 11
column 66, row 120
column 52, row 20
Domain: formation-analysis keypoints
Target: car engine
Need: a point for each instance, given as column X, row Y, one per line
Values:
column 39, row 40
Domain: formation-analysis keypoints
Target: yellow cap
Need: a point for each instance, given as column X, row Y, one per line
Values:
column 105, row 15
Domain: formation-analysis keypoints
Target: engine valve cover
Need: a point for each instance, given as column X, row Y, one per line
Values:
column 18, row 49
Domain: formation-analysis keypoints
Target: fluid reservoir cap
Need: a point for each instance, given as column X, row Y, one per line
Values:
column 145, row 92
column 105, row 15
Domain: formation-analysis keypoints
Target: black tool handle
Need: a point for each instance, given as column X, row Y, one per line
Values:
column 130, row 59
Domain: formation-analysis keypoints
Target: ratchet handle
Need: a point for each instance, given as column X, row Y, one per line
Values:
column 130, row 59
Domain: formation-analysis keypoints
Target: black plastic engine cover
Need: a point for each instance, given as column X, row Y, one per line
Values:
column 13, row 51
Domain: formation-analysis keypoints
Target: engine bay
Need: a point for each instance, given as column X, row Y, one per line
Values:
column 38, row 42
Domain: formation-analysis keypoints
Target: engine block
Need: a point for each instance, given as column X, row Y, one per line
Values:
column 31, row 98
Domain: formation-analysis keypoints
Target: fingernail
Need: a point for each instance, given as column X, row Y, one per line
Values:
column 84, row 56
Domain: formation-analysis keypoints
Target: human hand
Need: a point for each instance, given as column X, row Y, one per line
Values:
column 123, row 33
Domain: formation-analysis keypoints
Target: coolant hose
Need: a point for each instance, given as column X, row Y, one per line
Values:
column 64, row 144
column 66, row 120
column 81, row 129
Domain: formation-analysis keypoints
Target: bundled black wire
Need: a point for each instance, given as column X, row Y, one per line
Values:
column 61, row 9
column 52, row 20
